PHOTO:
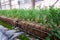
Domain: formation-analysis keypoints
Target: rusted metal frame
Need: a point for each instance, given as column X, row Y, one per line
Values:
column 28, row 32
column 26, row 28
column 33, row 28
column 40, row 30
column 31, row 34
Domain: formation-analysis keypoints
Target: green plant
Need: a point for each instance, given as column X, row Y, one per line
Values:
column 50, row 16
column 6, row 25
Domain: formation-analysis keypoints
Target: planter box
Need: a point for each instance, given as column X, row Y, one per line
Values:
column 34, row 28
column 28, row 27
column 8, row 20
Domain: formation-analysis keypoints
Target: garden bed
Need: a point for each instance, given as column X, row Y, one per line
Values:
column 42, row 23
column 29, row 27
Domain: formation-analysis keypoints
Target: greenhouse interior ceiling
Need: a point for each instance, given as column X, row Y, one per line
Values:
column 26, row 4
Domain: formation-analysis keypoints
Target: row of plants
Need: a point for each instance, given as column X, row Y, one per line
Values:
column 26, row 14
column 47, row 17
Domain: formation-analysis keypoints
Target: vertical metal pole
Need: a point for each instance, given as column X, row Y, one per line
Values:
column 10, row 4
column 54, row 3
column 19, row 3
column 0, row 5
column 33, row 3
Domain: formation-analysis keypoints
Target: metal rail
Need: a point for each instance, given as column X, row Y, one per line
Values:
column 3, row 4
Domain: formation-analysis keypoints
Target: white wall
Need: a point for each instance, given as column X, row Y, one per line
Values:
column 28, row 5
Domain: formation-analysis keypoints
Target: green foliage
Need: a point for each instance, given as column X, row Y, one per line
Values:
column 6, row 25
column 23, row 37
column 54, row 16
column 50, row 16
column 28, row 14
column 47, row 38
column 53, row 19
